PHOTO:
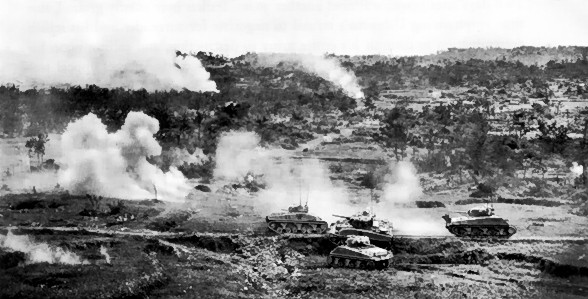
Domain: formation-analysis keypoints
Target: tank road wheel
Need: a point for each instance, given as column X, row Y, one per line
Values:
column 293, row 228
column 460, row 231
column 287, row 230
column 357, row 264
column 306, row 229
column 279, row 229
column 476, row 232
column 484, row 232
column 351, row 263
column 338, row 262
column 371, row 265
column 361, row 265
column 321, row 228
column 454, row 230
column 330, row 260
column 337, row 241
column 317, row 229
column 511, row 231
column 348, row 263
column 493, row 232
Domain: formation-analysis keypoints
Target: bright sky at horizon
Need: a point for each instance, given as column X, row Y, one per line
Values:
column 398, row 27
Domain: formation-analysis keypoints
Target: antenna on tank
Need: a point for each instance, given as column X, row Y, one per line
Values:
column 155, row 188
column 307, row 194
column 299, row 193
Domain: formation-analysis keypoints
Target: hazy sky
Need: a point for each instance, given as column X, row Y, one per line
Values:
column 343, row 27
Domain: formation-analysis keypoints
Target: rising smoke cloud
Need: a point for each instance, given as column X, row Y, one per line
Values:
column 39, row 252
column 403, row 185
column 69, row 43
column 181, row 156
column 239, row 153
column 292, row 180
column 325, row 67
column 576, row 169
column 115, row 164
column 288, row 180
column 401, row 189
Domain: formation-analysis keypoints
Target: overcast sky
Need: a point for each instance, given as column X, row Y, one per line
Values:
column 343, row 27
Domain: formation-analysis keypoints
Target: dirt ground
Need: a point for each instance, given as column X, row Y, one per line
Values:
column 202, row 249
column 216, row 245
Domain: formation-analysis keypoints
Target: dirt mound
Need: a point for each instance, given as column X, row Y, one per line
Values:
column 203, row 188
column 169, row 223
column 424, row 246
column 429, row 204
column 224, row 244
column 307, row 246
column 475, row 256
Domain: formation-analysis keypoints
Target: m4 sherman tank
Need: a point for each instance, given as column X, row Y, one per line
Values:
column 378, row 231
column 480, row 222
column 296, row 221
column 359, row 253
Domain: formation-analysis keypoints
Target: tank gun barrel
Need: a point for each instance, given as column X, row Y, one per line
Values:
column 344, row 217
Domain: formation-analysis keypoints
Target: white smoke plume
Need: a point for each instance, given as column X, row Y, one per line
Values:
column 69, row 43
column 576, row 169
column 404, row 184
column 25, row 181
column 104, row 252
column 39, row 252
column 15, row 169
column 325, row 67
column 400, row 190
column 181, row 156
column 288, row 181
column 239, row 153
column 114, row 164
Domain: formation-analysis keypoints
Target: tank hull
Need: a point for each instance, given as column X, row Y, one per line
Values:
column 296, row 224
column 346, row 257
column 481, row 227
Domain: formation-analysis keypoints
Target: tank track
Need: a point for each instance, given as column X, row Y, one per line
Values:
column 347, row 262
column 305, row 227
column 482, row 231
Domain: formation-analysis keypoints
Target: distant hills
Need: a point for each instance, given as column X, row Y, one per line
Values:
column 525, row 54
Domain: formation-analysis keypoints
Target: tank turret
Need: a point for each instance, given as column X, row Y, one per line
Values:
column 364, row 220
column 359, row 253
column 480, row 222
column 481, row 211
column 298, row 209
column 366, row 224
